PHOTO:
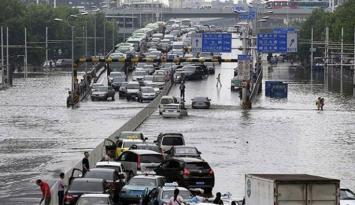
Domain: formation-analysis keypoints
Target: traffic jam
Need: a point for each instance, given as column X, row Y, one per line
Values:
column 165, row 168
column 135, row 171
column 142, row 82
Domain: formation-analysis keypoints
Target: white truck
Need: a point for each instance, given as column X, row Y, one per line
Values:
column 290, row 189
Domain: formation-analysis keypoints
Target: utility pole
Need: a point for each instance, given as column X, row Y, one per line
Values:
column 7, row 57
column 354, row 64
column 341, row 59
column 72, row 64
column 2, row 57
column 25, row 57
column 95, row 36
column 104, row 36
column 86, row 44
column 113, row 33
column 326, row 61
column 312, row 47
column 46, row 44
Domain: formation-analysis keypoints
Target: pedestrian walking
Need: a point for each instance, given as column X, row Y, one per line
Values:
column 218, row 199
column 60, row 183
column 318, row 103
column 46, row 192
column 85, row 163
column 219, row 80
column 176, row 199
column 321, row 103
column 182, row 90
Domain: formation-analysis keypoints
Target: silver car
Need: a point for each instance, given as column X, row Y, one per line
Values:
column 139, row 161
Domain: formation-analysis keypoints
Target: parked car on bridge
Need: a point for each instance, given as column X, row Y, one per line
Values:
column 167, row 140
column 347, row 197
column 188, row 172
column 114, row 180
column 115, row 79
column 146, row 146
column 103, row 93
column 162, row 195
column 140, row 161
column 112, row 165
column 146, row 93
column 124, row 145
column 132, row 90
column 80, row 186
column 165, row 100
column 138, row 187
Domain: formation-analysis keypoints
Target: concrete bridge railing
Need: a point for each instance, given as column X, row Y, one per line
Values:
column 131, row 125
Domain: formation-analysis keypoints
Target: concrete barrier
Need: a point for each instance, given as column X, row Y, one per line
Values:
column 131, row 125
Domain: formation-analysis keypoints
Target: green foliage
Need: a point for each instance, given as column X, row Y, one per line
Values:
column 343, row 17
column 36, row 18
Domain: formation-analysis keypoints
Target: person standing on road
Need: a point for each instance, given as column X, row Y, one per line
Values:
column 219, row 80
column 318, row 103
column 176, row 199
column 85, row 163
column 182, row 90
column 218, row 199
column 46, row 192
column 60, row 183
column 321, row 103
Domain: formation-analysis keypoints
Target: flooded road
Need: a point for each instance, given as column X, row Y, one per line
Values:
column 39, row 136
column 276, row 136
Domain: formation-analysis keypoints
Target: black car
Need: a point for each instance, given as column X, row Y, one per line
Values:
column 113, row 179
column 183, row 151
column 103, row 93
column 188, row 172
column 80, row 186
column 201, row 103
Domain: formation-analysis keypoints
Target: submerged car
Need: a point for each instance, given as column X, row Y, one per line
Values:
column 201, row 103
column 103, row 93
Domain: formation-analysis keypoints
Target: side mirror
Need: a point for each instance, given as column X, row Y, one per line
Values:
column 121, row 176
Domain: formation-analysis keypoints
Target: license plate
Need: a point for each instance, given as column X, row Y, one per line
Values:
column 200, row 183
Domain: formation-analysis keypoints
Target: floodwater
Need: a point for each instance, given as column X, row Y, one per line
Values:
column 276, row 136
column 40, row 137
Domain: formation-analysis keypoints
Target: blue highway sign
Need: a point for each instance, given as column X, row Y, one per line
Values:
column 217, row 42
column 272, row 43
column 283, row 30
column 250, row 15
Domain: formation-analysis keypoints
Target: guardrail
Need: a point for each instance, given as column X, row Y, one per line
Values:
column 131, row 125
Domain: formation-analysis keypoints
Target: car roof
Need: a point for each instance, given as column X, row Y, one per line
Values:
column 95, row 195
column 171, row 133
column 131, row 140
column 130, row 132
column 133, row 82
column 102, row 169
column 143, row 151
column 165, row 188
column 109, row 163
column 183, row 146
column 88, row 180
column 147, row 177
column 188, row 159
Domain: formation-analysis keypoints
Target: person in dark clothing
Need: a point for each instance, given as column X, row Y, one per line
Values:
column 182, row 90
column 60, row 183
column 85, row 163
column 218, row 199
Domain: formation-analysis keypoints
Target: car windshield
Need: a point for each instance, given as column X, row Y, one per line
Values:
column 185, row 194
column 149, row 147
column 185, row 151
column 165, row 101
column 117, row 75
column 199, row 99
column 98, row 174
column 128, row 144
column 124, row 49
column 93, row 200
column 140, row 73
column 142, row 182
column 347, row 195
column 102, row 89
column 133, row 86
column 84, row 186
column 197, row 165
column 130, row 135
column 151, row 158
column 147, row 90
column 172, row 140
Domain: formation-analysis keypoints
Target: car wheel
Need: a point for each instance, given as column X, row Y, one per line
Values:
column 207, row 190
column 92, row 99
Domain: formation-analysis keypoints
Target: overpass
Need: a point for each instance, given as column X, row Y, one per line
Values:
column 167, row 13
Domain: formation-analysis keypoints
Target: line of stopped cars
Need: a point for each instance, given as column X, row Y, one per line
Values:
column 140, row 171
